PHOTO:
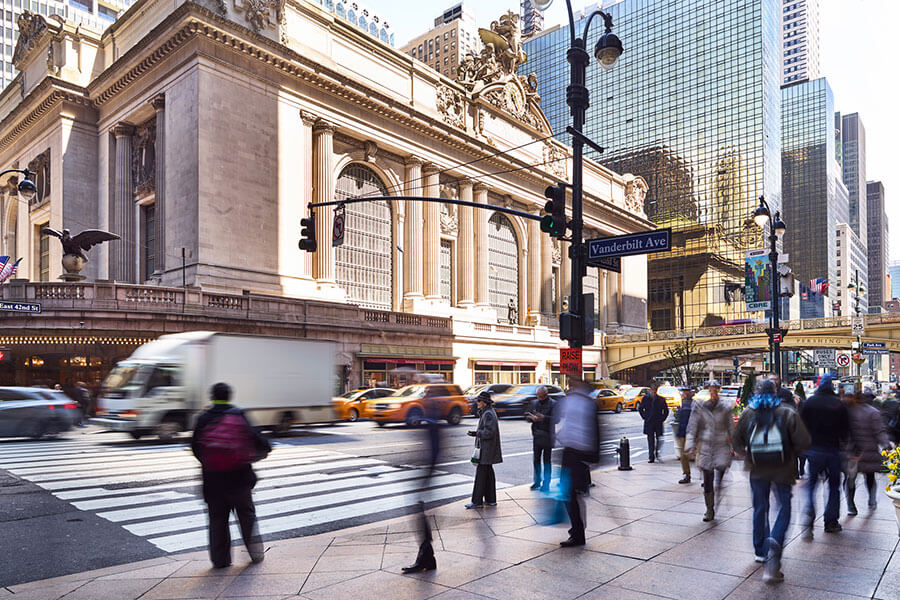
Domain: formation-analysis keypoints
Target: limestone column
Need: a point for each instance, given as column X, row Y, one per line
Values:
column 546, row 273
column 306, row 190
column 482, row 298
column 535, row 273
column 159, row 104
column 602, row 291
column 323, row 178
column 412, row 231
column 612, row 303
column 620, row 296
column 432, row 247
column 465, row 251
column 123, row 256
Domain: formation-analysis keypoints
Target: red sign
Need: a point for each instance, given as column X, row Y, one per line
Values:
column 570, row 361
column 776, row 337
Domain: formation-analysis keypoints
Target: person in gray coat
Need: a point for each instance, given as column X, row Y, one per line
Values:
column 867, row 438
column 711, row 428
column 487, row 439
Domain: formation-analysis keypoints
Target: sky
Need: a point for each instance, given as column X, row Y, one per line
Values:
column 855, row 46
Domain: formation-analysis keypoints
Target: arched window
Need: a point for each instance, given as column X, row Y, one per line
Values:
column 363, row 264
column 384, row 37
column 339, row 10
column 329, row 5
column 373, row 29
column 503, row 266
column 363, row 24
column 351, row 16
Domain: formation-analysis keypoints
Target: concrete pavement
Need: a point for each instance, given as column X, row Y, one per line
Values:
column 646, row 540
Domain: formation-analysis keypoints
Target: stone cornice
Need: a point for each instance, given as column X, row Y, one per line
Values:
column 41, row 100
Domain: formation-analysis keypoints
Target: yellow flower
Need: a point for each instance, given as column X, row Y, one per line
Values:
column 884, row 452
column 887, row 488
column 892, row 477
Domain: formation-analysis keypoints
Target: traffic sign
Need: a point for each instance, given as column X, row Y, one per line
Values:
column 337, row 232
column 858, row 326
column 824, row 358
column 776, row 337
column 26, row 307
column 570, row 361
column 645, row 242
column 843, row 360
column 610, row 263
column 874, row 348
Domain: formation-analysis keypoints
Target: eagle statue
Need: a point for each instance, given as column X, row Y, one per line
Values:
column 74, row 246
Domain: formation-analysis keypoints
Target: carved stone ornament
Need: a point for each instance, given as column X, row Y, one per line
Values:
column 143, row 159
column 371, row 149
column 32, row 28
column 557, row 253
column 40, row 166
column 499, row 58
column 449, row 223
column 449, row 189
column 261, row 14
column 635, row 192
column 451, row 106
column 556, row 160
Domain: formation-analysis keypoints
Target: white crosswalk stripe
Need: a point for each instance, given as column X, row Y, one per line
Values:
column 153, row 491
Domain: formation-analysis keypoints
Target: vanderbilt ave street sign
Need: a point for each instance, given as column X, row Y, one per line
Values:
column 645, row 242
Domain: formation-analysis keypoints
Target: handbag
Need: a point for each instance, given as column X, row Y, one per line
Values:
column 476, row 453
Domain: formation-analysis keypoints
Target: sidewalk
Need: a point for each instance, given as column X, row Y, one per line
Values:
column 646, row 540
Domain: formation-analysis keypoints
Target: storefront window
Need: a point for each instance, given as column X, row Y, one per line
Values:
column 400, row 372
column 487, row 372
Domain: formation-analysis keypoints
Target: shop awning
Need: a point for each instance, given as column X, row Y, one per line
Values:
column 410, row 361
column 496, row 363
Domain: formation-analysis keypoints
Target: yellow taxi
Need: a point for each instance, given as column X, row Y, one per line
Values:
column 350, row 406
column 414, row 403
column 608, row 400
column 671, row 395
column 633, row 397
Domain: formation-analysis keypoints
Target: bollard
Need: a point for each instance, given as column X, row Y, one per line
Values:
column 624, row 452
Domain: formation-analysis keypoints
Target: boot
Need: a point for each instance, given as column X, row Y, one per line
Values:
column 772, row 569
column 424, row 560
column 710, row 499
column 851, row 507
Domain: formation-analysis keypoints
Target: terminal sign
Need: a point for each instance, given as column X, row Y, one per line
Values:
column 645, row 242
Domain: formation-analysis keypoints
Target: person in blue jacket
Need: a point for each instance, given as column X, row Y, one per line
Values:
column 683, row 416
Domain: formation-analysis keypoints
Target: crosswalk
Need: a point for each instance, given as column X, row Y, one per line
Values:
column 153, row 491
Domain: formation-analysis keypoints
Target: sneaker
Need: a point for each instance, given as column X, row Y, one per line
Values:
column 833, row 528
column 759, row 559
column 490, row 504
column 685, row 479
column 851, row 510
column 873, row 503
column 474, row 505
column 535, row 486
column 772, row 569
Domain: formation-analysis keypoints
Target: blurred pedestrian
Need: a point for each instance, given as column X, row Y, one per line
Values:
column 828, row 422
column 890, row 413
column 226, row 444
column 654, row 411
column 425, row 559
column 867, row 438
column 771, row 435
column 488, row 454
column 709, row 438
column 541, row 418
column 579, row 436
column 83, row 397
column 787, row 396
column 683, row 417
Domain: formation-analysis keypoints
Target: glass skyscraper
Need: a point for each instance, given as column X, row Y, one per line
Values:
column 694, row 107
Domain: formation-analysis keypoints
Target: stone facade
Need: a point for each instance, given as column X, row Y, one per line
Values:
column 200, row 132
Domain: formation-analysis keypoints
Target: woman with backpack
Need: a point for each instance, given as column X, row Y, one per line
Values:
column 867, row 438
column 771, row 436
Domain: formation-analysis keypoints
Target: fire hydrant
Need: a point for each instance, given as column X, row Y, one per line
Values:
column 624, row 452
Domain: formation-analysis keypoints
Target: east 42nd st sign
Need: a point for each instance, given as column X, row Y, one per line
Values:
column 645, row 242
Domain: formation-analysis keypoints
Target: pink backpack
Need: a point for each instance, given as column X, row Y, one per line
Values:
column 227, row 444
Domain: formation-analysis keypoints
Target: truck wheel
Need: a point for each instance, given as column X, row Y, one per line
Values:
column 284, row 424
column 354, row 415
column 413, row 417
column 167, row 430
column 619, row 407
column 135, row 435
column 455, row 416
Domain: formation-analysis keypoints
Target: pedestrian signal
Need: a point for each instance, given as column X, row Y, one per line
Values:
column 308, row 233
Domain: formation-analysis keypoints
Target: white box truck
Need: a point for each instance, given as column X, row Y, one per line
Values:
column 162, row 387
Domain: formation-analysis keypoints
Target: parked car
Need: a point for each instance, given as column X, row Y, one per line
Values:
column 671, row 395
column 349, row 406
column 472, row 393
column 408, row 404
column 608, row 400
column 517, row 399
column 633, row 397
column 35, row 412
column 730, row 394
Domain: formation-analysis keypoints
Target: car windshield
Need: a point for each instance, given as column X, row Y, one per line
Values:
column 124, row 377
column 474, row 389
column 352, row 395
column 523, row 389
column 632, row 392
column 410, row 390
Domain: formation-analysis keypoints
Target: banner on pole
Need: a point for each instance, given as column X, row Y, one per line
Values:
column 758, row 280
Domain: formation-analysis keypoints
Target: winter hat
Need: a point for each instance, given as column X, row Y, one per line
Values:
column 826, row 383
column 485, row 397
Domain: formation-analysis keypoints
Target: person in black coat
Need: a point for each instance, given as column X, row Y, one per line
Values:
column 229, row 490
column 541, row 418
column 786, row 395
column 654, row 411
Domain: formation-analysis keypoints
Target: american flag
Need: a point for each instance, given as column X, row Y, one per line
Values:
column 818, row 285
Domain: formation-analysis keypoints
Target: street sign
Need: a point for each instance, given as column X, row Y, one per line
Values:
column 843, row 360
column 777, row 337
column 874, row 348
column 645, row 242
column 337, row 232
column 26, row 307
column 610, row 263
column 858, row 327
column 570, row 361
column 824, row 358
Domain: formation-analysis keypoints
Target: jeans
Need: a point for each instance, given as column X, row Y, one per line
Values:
column 685, row 461
column 485, row 488
column 760, row 491
column 654, row 444
column 541, row 450
column 579, row 479
column 829, row 462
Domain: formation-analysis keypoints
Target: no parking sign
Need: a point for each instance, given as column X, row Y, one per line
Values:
column 337, row 232
column 842, row 360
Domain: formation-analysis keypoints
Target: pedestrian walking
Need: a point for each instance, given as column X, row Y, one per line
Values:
column 683, row 417
column 579, row 436
column 890, row 412
column 654, row 411
column 867, row 438
column 226, row 444
column 709, row 438
column 771, row 435
column 828, row 422
column 487, row 453
column 541, row 418
column 83, row 397
column 788, row 398
column 425, row 559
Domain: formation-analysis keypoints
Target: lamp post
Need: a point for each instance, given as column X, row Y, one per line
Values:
column 762, row 215
column 858, row 291
column 26, row 187
column 607, row 52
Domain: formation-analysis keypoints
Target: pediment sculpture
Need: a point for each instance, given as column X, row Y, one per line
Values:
column 636, row 189
column 32, row 28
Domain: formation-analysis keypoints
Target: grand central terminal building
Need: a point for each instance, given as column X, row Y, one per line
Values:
column 199, row 132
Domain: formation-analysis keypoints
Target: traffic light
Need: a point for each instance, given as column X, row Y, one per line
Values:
column 554, row 222
column 577, row 329
column 308, row 231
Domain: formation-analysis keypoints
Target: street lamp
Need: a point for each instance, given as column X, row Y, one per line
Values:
column 762, row 216
column 607, row 52
column 27, row 189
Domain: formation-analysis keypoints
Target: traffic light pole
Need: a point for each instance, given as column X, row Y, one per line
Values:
column 578, row 100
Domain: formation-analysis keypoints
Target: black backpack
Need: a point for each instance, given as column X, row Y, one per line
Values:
column 768, row 442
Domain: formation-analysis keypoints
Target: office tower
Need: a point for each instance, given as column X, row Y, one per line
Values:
column 877, row 244
column 694, row 107
column 894, row 271
column 815, row 201
column 853, row 164
column 532, row 18
column 852, row 268
column 453, row 36
column 800, row 40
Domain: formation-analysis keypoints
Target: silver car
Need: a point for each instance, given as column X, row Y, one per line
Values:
column 35, row 412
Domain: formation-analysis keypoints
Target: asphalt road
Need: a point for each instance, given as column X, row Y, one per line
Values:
column 93, row 499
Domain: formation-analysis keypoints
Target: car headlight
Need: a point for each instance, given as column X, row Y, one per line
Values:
column 394, row 405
